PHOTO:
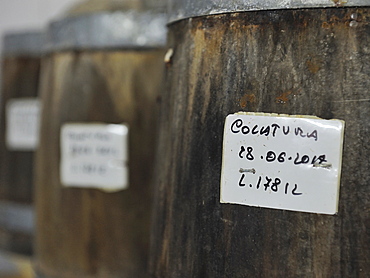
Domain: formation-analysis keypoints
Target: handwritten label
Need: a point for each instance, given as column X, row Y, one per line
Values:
column 94, row 156
column 22, row 124
column 282, row 162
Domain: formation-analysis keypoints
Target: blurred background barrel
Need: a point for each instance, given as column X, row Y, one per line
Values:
column 260, row 56
column 18, row 129
column 104, row 67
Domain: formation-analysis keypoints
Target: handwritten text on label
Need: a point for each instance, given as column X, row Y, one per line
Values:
column 23, row 123
column 94, row 156
column 282, row 162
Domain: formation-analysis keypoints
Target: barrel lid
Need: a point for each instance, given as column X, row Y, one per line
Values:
column 115, row 26
column 180, row 9
column 28, row 43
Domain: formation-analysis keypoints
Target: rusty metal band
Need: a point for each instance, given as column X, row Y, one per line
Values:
column 180, row 9
column 17, row 217
column 24, row 43
column 128, row 29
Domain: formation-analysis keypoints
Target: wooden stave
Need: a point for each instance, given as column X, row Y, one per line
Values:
column 58, row 251
column 212, row 74
column 20, row 75
column 20, row 80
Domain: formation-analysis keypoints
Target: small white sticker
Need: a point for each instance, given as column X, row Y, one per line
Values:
column 23, row 123
column 282, row 162
column 94, row 156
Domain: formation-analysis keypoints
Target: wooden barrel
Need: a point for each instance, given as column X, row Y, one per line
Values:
column 295, row 61
column 18, row 140
column 104, row 72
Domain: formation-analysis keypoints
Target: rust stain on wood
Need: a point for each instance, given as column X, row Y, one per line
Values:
column 314, row 65
column 251, row 98
column 339, row 3
column 325, row 25
column 347, row 19
column 284, row 97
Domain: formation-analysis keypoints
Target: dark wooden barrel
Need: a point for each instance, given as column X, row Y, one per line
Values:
column 288, row 61
column 103, row 69
column 19, row 122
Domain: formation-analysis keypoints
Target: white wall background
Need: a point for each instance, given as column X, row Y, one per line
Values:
column 23, row 15
column 30, row 14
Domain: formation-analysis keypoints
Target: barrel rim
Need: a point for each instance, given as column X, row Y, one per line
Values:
column 179, row 9
column 119, row 29
column 27, row 43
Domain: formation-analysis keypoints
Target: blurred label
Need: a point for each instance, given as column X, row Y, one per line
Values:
column 94, row 156
column 22, row 123
column 282, row 162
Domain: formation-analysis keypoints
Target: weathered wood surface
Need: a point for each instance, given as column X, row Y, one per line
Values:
column 20, row 79
column 86, row 232
column 309, row 62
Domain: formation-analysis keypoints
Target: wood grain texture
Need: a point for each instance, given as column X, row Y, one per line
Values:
column 20, row 79
column 309, row 62
column 86, row 232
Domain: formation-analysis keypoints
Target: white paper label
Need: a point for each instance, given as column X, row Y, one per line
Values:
column 22, row 124
column 282, row 162
column 94, row 156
